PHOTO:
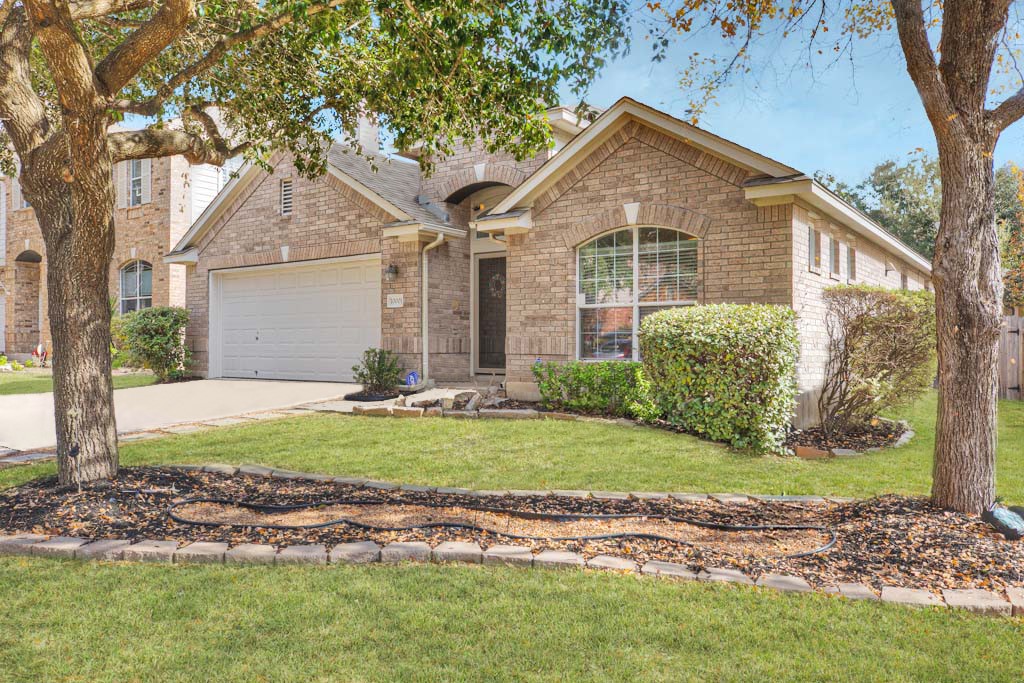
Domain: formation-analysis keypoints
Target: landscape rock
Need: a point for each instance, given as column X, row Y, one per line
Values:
column 508, row 554
column 362, row 552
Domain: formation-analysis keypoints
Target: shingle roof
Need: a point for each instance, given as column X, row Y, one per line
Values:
column 395, row 180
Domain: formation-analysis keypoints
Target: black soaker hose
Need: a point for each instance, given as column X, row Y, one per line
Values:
column 555, row 517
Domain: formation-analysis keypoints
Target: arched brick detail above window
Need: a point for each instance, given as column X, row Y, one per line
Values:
column 640, row 213
column 479, row 176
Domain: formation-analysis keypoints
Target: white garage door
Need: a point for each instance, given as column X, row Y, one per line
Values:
column 309, row 322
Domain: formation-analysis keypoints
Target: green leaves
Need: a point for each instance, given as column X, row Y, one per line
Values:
column 154, row 338
column 434, row 71
column 601, row 388
column 726, row 372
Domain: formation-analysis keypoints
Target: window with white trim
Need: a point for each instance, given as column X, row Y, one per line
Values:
column 624, row 276
column 287, row 196
column 833, row 256
column 135, row 180
column 813, row 248
column 136, row 286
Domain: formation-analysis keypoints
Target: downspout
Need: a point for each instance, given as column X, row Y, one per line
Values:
column 425, row 305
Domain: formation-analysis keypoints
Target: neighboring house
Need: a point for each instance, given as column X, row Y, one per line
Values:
column 491, row 264
column 157, row 200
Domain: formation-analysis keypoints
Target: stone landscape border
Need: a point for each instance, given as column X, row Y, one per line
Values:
column 366, row 552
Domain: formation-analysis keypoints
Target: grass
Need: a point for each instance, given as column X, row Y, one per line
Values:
column 111, row 622
column 494, row 454
column 114, row 622
column 38, row 383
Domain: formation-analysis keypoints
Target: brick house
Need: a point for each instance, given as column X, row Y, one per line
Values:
column 157, row 200
column 492, row 263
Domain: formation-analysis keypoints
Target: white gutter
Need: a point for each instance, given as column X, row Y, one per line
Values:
column 425, row 305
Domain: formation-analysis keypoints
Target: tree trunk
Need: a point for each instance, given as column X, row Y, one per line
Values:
column 75, row 214
column 968, row 293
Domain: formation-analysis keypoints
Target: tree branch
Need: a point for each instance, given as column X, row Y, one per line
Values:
column 121, row 65
column 921, row 63
column 1007, row 113
column 21, row 109
column 69, row 62
column 91, row 9
column 151, row 107
column 152, row 143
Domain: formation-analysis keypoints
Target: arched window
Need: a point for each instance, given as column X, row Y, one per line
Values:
column 623, row 277
column 136, row 286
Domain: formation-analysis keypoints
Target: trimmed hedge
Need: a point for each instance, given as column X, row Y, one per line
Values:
column 725, row 372
column 611, row 387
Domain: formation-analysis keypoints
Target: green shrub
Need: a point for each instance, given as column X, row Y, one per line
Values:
column 16, row 366
column 881, row 353
column 29, row 363
column 612, row 387
column 3, row 359
column 154, row 338
column 379, row 372
column 726, row 372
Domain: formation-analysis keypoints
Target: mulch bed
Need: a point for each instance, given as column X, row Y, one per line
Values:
column 880, row 434
column 370, row 397
column 891, row 540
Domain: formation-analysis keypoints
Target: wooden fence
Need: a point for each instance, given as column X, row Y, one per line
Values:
column 1011, row 358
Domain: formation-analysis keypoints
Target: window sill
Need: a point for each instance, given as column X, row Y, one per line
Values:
column 834, row 276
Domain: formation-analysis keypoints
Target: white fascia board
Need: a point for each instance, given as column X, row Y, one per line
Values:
column 820, row 198
column 411, row 232
column 189, row 256
column 509, row 225
column 369, row 194
column 614, row 118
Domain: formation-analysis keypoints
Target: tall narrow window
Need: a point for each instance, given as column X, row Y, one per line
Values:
column 904, row 283
column 286, row 196
column 136, row 179
column 136, row 286
column 626, row 275
column 833, row 256
column 813, row 248
column 851, row 264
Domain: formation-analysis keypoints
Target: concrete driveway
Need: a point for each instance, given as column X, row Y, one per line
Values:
column 26, row 420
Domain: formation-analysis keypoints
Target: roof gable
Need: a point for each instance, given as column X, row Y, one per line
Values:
column 613, row 120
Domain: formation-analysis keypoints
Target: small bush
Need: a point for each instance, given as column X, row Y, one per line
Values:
column 726, row 372
column 29, row 363
column 3, row 359
column 881, row 353
column 379, row 372
column 154, row 338
column 614, row 387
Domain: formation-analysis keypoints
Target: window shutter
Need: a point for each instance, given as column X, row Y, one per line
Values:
column 121, row 183
column 15, row 194
column 147, row 181
column 3, row 226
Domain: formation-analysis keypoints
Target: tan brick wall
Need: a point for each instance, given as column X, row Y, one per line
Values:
column 461, row 170
column 874, row 266
column 329, row 220
column 151, row 230
column 743, row 253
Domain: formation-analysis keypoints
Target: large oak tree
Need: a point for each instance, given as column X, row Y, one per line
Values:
column 212, row 79
column 962, row 56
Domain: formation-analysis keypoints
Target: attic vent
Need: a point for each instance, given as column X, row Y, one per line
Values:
column 286, row 196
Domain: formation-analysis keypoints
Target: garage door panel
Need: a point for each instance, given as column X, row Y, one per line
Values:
column 305, row 322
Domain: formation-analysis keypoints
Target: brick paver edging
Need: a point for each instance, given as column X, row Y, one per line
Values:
column 463, row 552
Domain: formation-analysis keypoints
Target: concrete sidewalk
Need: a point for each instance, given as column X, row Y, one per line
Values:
column 26, row 420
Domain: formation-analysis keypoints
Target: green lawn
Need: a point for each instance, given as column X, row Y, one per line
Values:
column 89, row 622
column 115, row 622
column 36, row 383
column 493, row 454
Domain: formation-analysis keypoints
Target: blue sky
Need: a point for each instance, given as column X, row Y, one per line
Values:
column 839, row 120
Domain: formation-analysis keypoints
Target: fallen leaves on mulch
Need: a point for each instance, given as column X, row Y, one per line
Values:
column 878, row 434
column 891, row 540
